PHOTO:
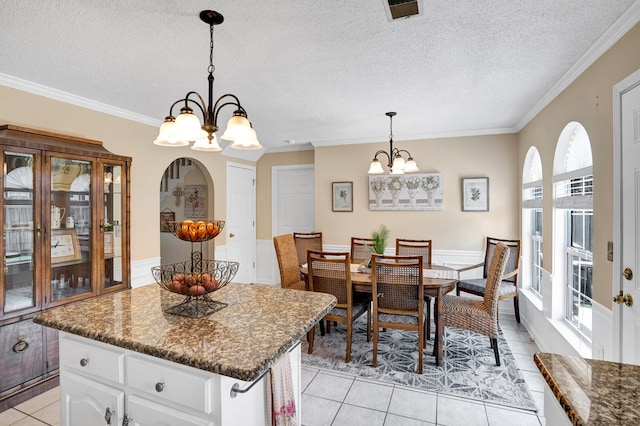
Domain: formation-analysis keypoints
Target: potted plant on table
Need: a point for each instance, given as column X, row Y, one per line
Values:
column 378, row 244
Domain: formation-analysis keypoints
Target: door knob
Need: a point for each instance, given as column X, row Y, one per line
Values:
column 231, row 235
column 628, row 273
column 621, row 298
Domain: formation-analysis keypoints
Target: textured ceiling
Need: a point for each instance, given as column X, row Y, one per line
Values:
column 312, row 71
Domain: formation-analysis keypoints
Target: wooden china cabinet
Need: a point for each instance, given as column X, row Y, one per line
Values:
column 65, row 220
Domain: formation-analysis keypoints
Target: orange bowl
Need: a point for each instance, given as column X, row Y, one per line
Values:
column 196, row 231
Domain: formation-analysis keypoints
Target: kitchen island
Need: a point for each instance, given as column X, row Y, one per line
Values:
column 123, row 348
column 583, row 391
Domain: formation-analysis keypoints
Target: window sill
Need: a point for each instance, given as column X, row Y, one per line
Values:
column 580, row 344
column 533, row 298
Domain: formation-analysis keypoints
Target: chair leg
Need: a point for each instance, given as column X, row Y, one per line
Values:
column 494, row 345
column 516, row 307
column 321, row 328
column 375, row 343
column 421, row 343
column 328, row 327
column 347, row 357
column 369, row 324
column 310, row 336
column 428, row 323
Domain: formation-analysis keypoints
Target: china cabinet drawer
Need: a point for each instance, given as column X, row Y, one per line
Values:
column 91, row 359
column 170, row 382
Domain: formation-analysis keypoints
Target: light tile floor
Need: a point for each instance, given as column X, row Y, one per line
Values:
column 334, row 399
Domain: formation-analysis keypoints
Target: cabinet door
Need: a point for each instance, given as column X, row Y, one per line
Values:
column 112, row 225
column 70, row 213
column 21, row 353
column 20, row 201
column 86, row 402
column 142, row 412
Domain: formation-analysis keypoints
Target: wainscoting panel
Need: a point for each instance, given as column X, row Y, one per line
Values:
column 141, row 271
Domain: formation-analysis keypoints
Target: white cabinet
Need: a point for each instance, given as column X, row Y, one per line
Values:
column 96, row 378
column 87, row 402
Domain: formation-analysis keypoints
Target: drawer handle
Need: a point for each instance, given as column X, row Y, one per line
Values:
column 84, row 362
column 159, row 387
column 20, row 346
column 108, row 414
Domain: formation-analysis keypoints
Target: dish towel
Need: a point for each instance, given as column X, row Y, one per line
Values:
column 280, row 395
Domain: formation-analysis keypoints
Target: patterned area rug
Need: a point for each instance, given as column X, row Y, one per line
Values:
column 469, row 369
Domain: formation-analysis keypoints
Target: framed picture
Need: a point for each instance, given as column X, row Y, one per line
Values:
column 413, row 191
column 65, row 246
column 342, row 196
column 475, row 194
column 195, row 201
column 165, row 218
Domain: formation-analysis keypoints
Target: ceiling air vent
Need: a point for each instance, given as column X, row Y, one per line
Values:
column 402, row 9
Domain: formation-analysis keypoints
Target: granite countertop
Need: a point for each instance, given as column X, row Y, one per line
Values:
column 241, row 341
column 593, row 392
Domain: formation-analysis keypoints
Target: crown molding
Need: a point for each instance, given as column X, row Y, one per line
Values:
column 630, row 18
column 59, row 95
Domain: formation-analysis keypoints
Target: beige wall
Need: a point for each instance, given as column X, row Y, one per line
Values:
column 449, row 229
column 123, row 137
column 263, row 185
column 589, row 101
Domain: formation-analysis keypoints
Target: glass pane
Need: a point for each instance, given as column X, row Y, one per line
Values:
column 579, row 293
column 18, row 232
column 112, row 225
column 70, row 228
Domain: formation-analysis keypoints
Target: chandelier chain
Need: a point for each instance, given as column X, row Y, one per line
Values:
column 211, row 68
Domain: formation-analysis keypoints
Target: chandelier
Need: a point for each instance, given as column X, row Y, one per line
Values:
column 396, row 163
column 186, row 127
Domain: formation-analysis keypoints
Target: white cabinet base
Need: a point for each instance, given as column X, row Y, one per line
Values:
column 146, row 390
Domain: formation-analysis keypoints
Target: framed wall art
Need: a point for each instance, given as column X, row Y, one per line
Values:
column 342, row 196
column 195, row 201
column 475, row 194
column 166, row 216
column 415, row 191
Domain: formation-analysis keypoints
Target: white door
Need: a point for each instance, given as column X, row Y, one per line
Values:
column 293, row 199
column 241, row 220
column 629, row 230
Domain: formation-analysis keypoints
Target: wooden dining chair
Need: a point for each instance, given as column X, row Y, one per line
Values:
column 424, row 248
column 480, row 316
column 330, row 272
column 398, row 294
column 288, row 262
column 509, row 283
column 307, row 241
column 361, row 249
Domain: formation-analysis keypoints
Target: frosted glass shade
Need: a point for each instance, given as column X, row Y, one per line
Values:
column 375, row 168
column 203, row 144
column 250, row 142
column 188, row 126
column 411, row 166
column 238, row 127
column 398, row 166
column 166, row 135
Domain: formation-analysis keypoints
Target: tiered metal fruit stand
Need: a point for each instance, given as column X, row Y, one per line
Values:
column 195, row 278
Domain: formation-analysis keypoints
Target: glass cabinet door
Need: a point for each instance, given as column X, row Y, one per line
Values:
column 112, row 225
column 70, row 210
column 19, row 213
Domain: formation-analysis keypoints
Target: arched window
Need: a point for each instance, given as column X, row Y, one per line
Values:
column 532, row 221
column 573, row 223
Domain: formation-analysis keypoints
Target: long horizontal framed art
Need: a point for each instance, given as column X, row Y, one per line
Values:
column 408, row 192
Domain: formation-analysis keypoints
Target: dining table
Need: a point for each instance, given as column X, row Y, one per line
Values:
column 437, row 281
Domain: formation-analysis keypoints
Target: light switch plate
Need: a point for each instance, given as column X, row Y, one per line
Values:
column 610, row 251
